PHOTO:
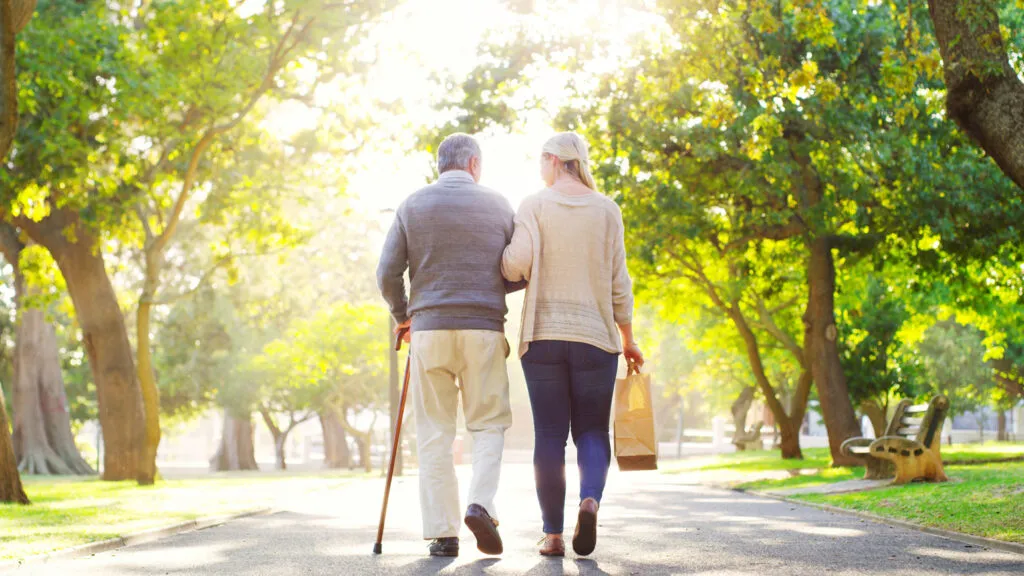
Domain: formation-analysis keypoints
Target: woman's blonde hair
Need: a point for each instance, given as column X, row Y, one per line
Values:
column 571, row 149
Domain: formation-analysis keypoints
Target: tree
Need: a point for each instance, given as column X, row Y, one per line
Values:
column 43, row 441
column 760, row 123
column 236, row 450
column 58, row 189
column 879, row 366
column 1009, row 377
column 11, row 489
column 192, row 124
column 984, row 94
column 333, row 362
column 954, row 357
column 200, row 362
column 14, row 15
column 730, row 287
column 336, row 450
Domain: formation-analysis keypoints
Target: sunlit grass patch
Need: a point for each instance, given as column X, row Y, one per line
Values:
column 752, row 461
column 823, row 476
column 69, row 512
column 983, row 500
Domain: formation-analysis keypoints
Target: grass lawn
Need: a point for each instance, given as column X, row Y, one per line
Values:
column 68, row 512
column 985, row 500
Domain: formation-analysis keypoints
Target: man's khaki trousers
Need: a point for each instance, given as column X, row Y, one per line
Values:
column 445, row 362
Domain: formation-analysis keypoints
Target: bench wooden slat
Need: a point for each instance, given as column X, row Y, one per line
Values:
column 909, row 431
column 912, row 420
column 860, row 450
column 918, row 409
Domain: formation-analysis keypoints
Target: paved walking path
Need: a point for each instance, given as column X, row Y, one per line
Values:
column 650, row 524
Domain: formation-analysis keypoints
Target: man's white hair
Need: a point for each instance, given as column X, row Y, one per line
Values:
column 456, row 150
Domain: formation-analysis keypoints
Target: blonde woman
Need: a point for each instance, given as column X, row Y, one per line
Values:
column 577, row 319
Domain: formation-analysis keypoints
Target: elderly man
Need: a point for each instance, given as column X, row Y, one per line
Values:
column 450, row 236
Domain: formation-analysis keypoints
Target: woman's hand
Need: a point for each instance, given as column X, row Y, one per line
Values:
column 633, row 354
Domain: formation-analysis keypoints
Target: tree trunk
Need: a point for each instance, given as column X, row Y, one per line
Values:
column 983, row 93
column 785, row 421
column 365, row 459
column 876, row 415
column 363, row 439
column 336, row 452
column 280, row 462
column 11, row 489
column 236, row 451
column 1001, row 434
column 280, row 436
column 823, row 353
column 789, row 439
column 43, row 440
column 739, row 411
column 104, row 336
column 8, row 79
column 14, row 15
column 147, row 377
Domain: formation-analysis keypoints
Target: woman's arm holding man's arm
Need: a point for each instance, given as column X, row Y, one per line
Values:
column 517, row 261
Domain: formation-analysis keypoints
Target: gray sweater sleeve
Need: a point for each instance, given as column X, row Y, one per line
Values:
column 394, row 261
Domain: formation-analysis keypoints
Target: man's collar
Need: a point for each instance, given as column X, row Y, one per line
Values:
column 456, row 176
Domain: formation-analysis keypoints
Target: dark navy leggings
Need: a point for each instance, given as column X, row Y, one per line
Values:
column 571, row 388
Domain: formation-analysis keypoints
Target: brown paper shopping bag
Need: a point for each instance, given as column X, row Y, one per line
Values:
column 636, row 447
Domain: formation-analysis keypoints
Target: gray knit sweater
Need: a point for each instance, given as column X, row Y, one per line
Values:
column 450, row 236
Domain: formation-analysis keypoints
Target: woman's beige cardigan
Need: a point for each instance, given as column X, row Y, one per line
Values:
column 571, row 251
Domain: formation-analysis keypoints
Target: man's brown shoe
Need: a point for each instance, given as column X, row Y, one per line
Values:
column 485, row 529
column 552, row 545
column 585, row 538
column 444, row 547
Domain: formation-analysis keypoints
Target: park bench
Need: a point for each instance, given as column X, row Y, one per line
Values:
column 749, row 439
column 909, row 450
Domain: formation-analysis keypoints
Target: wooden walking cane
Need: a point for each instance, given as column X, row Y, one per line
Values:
column 394, row 443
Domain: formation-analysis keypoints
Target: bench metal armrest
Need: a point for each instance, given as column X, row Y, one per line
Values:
column 844, row 449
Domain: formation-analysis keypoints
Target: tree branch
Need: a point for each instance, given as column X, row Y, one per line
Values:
column 145, row 223
column 767, row 321
column 277, row 60
column 10, row 244
column 983, row 93
column 791, row 229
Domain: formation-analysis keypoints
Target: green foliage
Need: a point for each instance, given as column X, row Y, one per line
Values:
column 954, row 356
column 197, row 355
column 336, row 358
column 69, row 150
column 877, row 363
column 735, row 133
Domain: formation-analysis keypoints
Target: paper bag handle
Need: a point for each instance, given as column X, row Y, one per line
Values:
column 633, row 369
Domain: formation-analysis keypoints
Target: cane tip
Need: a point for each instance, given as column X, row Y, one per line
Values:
column 377, row 549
